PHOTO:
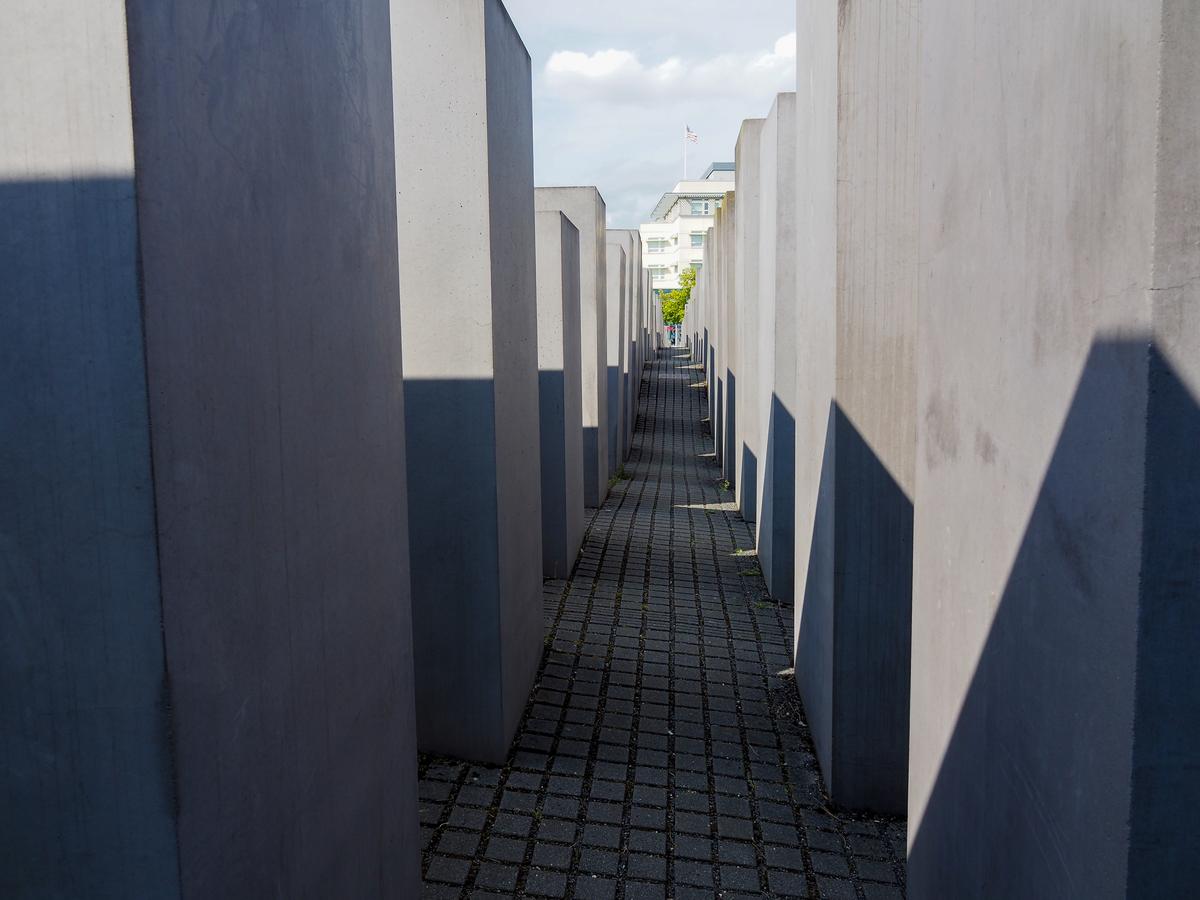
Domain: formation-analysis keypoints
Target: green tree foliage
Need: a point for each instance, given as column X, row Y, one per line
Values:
column 674, row 303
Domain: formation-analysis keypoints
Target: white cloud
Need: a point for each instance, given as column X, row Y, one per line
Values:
column 601, row 64
column 620, row 76
column 786, row 47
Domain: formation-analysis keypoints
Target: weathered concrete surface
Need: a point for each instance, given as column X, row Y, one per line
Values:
column 717, row 336
column 855, row 430
column 816, row 333
column 634, row 340
column 465, row 162
column 650, row 327
column 201, row 487
column 700, row 321
column 638, row 345
column 273, row 510
column 1055, row 648
column 748, row 236
column 631, row 242
column 88, row 806
column 775, row 393
column 707, row 283
column 712, row 318
column 617, row 291
column 728, row 325
column 657, row 340
column 634, row 286
column 585, row 208
column 559, row 393
column 725, row 335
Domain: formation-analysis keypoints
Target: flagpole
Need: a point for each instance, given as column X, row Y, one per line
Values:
column 685, row 143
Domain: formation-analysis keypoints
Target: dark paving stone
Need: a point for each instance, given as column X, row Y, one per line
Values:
column 647, row 841
column 736, row 852
column 875, row 870
column 639, row 890
column 589, row 888
column 651, row 868
column 697, row 874
column 785, row 858
column 739, row 878
column 601, row 835
column 693, row 847
column 450, row 871
column 836, row 889
column 555, row 856
column 505, row 850
column 829, row 864
column 497, row 877
column 787, row 884
column 546, row 884
column 598, row 862
column 458, row 843
column 882, row 892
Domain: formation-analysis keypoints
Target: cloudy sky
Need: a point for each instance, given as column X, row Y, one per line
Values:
column 615, row 81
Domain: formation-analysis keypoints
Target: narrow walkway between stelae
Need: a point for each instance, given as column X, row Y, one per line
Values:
column 663, row 753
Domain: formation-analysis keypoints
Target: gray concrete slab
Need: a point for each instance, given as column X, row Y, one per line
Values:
column 464, row 149
column 716, row 375
column 88, row 806
column 1055, row 634
column 704, row 327
column 729, row 363
column 748, row 237
column 560, row 396
column 206, row 684
column 856, row 424
column 636, row 340
column 775, row 394
column 646, row 314
column 816, row 333
column 631, row 243
column 272, row 508
column 717, row 331
column 703, row 318
column 653, row 312
column 585, row 208
column 637, row 343
column 617, row 293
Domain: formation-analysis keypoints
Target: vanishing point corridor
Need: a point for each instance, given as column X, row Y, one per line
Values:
column 663, row 752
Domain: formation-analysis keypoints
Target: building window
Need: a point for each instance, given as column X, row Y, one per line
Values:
column 697, row 266
column 657, row 245
column 701, row 207
column 697, row 239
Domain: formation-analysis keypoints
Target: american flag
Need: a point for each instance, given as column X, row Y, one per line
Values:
column 690, row 135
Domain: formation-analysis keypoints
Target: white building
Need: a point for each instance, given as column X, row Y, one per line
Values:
column 673, row 239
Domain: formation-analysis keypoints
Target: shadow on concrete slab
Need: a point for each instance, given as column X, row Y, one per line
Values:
column 1086, row 670
column 777, row 525
column 854, row 634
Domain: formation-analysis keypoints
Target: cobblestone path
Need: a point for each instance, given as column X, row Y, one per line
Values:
column 662, row 754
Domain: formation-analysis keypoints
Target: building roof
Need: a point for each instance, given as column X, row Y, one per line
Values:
column 717, row 179
column 716, row 172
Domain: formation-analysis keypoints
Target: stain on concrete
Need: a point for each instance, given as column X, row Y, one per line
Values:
column 985, row 446
column 941, row 426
